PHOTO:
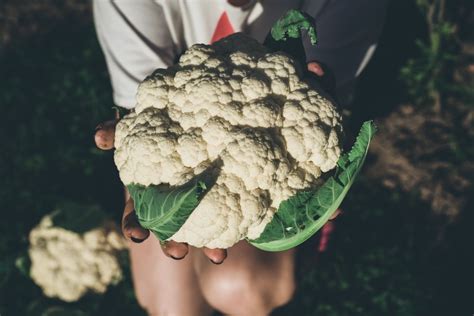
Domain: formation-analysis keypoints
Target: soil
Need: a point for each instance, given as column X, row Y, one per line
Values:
column 430, row 153
column 416, row 151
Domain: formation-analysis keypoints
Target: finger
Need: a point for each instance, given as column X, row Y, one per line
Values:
column 175, row 250
column 217, row 256
column 105, row 134
column 126, row 194
column 316, row 68
column 335, row 214
column 131, row 227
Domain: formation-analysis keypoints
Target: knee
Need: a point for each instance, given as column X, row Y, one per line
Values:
column 243, row 292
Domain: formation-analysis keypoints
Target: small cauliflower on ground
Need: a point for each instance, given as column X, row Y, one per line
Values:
column 236, row 107
column 67, row 265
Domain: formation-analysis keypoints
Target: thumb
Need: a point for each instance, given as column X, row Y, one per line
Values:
column 105, row 134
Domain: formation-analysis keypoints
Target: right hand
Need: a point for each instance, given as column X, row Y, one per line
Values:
column 131, row 229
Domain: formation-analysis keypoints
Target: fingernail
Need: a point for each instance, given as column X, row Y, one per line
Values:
column 136, row 240
column 216, row 262
column 175, row 258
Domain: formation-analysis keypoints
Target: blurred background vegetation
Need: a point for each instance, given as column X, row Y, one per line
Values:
column 404, row 245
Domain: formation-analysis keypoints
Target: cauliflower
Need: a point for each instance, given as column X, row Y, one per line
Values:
column 67, row 265
column 238, row 111
column 237, row 103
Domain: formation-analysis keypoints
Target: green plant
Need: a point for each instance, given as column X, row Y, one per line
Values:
column 429, row 75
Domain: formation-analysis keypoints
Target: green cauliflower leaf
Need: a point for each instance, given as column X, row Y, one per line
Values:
column 291, row 24
column 163, row 210
column 302, row 215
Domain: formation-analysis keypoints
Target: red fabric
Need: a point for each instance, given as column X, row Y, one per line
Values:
column 223, row 28
column 325, row 235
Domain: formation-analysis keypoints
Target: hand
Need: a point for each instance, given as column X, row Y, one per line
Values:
column 131, row 229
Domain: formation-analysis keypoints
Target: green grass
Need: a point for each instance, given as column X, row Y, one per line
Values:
column 385, row 257
column 55, row 90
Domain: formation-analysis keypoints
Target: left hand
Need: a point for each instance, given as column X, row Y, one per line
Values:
column 131, row 228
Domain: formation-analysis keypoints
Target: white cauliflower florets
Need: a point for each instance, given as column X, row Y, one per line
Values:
column 67, row 265
column 236, row 103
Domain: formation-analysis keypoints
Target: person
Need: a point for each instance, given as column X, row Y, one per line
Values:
column 140, row 36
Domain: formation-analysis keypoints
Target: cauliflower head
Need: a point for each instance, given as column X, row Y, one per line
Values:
column 241, row 111
column 67, row 265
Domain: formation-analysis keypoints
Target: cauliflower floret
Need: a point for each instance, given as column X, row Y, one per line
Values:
column 280, row 69
column 262, row 113
column 254, row 87
column 217, row 133
column 153, row 91
column 192, row 148
column 151, row 146
column 67, row 265
column 197, row 55
column 253, row 156
column 208, row 224
column 312, row 130
column 236, row 106
column 240, row 58
column 227, row 213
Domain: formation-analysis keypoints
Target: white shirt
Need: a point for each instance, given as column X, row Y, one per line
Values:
column 138, row 36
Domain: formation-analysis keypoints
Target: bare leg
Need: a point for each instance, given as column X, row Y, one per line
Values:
column 164, row 286
column 249, row 282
